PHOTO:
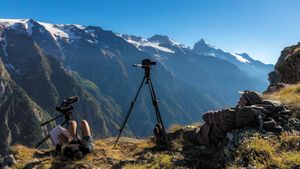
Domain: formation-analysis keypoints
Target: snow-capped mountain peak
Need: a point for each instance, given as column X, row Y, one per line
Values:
column 140, row 43
column 164, row 40
column 204, row 45
column 203, row 48
column 64, row 31
column 27, row 24
column 61, row 31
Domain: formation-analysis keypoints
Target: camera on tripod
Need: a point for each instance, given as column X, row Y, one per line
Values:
column 146, row 63
column 66, row 109
column 66, row 104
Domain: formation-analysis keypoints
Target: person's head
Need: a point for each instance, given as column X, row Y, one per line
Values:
column 78, row 155
column 249, row 98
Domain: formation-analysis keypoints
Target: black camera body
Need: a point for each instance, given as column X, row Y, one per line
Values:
column 146, row 64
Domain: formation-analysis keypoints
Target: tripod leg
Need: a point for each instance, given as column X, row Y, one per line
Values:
column 52, row 119
column 129, row 111
column 154, row 101
column 155, row 104
column 44, row 139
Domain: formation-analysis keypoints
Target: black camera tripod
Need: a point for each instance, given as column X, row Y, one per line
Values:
column 66, row 110
column 146, row 65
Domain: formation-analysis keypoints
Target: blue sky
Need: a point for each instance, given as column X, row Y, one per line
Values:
column 261, row 28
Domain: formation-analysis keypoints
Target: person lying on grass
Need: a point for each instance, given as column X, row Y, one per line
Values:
column 76, row 148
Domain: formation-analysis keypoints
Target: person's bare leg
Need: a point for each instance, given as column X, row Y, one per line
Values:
column 85, row 128
column 73, row 128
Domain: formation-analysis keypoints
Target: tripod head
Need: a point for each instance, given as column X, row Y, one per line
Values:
column 146, row 65
column 65, row 109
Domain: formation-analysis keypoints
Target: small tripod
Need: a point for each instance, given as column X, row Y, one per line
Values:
column 146, row 65
column 66, row 110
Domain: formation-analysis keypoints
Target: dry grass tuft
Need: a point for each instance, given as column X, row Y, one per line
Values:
column 289, row 142
column 146, row 144
column 256, row 150
column 269, row 153
column 25, row 156
column 104, row 155
column 178, row 143
column 290, row 96
column 161, row 161
column 174, row 127
column 23, row 153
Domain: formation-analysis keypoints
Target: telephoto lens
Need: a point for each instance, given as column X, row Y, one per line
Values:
column 64, row 109
column 72, row 99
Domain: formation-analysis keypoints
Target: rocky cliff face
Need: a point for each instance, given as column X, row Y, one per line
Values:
column 20, row 116
column 288, row 65
column 287, row 68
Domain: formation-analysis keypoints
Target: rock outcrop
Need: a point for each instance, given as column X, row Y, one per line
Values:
column 287, row 68
column 17, row 110
column 288, row 65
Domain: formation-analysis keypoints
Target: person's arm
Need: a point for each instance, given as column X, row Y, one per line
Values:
column 63, row 138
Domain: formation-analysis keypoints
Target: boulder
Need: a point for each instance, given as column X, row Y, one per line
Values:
column 287, row 68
